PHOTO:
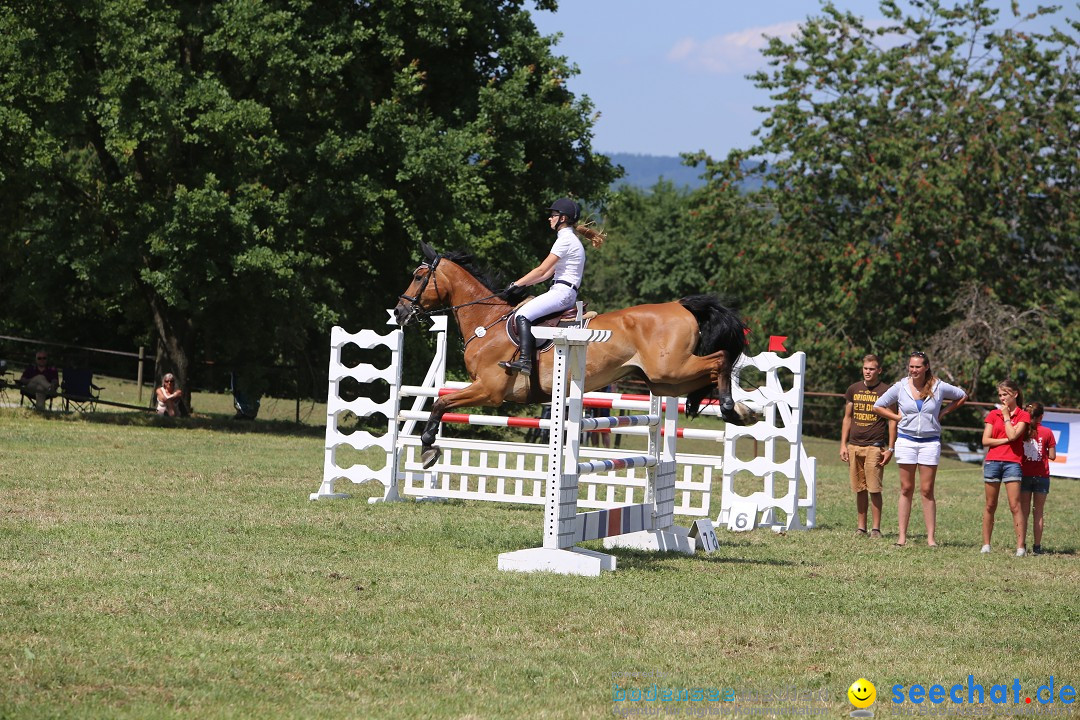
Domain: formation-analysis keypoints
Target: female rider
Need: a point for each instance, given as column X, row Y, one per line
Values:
column 565, row 263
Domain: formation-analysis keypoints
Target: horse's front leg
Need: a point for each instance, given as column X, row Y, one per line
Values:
column 429, row 451
column 732, row 412
column 475, row 394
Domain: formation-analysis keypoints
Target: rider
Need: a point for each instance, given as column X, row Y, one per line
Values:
column 566, row 264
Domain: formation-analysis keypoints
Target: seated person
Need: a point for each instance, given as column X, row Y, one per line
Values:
column 168, row 396
column 40, row 380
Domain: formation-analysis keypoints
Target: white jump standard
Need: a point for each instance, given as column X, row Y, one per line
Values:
column 518, row 472
column 470, row 468
column 648, row 525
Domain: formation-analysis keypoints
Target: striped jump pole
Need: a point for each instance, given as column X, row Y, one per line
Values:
column 598, row 400
column 589, row 424
column 616, row 424
column 647, row 525
column 625, row 463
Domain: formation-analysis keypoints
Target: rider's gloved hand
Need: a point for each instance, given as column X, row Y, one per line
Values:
column 509, row 290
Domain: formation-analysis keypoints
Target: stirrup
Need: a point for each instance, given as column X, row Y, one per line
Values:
column 518, row 366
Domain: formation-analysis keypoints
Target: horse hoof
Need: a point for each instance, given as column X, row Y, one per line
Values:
column 739, row 414
column 430, row 456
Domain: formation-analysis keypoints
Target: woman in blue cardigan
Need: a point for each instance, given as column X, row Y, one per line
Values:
column 920, row 399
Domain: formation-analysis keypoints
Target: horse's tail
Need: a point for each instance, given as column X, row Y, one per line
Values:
column 719, row 328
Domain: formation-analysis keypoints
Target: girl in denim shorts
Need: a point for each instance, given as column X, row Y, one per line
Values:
column 1004, row 434
column 1040, row 448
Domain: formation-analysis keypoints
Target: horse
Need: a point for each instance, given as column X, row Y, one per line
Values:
column 684, row 347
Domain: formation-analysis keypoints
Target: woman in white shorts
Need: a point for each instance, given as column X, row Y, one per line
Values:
column 564, row 266
column 920, row 401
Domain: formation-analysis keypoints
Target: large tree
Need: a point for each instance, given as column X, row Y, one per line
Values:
column 907, row 159
column 649, row 255
column 238, row 175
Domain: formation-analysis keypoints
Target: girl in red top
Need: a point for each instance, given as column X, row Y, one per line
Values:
column 1003, row 434
column 1039, row 449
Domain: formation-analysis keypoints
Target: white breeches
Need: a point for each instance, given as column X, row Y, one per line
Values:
column 559, row 297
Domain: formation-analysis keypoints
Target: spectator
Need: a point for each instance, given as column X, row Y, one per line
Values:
column 40, row 380
column 1003, row 433
column 920, row 401
column 169, row 397
column 866, row 443
column 1040, row 447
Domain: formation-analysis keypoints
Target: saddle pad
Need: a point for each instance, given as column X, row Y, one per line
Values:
column 545, row 345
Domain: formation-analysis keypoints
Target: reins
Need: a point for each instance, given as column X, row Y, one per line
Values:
column 426, row 315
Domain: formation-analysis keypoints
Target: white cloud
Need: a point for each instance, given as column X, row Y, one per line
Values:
column 736, row 52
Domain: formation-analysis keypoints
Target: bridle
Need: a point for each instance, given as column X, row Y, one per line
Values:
column 415, row 299
column 415, row 309
column 423, row 316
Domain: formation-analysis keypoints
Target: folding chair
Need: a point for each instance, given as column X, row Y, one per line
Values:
column 6, row 382
column 246, row 409
column 25, row 396
column 79, row 391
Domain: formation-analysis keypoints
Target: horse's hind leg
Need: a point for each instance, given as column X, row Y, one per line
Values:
column 732, row 412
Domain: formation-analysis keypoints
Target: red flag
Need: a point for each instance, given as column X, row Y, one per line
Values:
column 776, row 343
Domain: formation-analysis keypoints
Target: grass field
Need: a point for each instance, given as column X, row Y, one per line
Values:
column 156, row 568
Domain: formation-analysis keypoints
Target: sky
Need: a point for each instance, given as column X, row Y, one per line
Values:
column 669, row 76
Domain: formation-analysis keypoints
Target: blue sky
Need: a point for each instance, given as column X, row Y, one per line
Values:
column 668, row 76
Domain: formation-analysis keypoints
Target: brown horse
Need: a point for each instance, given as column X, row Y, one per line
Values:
column 678, row 348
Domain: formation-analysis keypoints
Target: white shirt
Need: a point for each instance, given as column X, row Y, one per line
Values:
column 571, row 254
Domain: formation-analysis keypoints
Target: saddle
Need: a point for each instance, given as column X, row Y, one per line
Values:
column 567, row 318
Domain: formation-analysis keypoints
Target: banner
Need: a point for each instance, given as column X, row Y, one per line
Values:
column 1066, row 429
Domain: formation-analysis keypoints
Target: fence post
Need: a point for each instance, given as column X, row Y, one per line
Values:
column 142, row 359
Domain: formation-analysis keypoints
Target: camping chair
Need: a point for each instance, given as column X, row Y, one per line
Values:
column 79, row 391
column 246, row 409
column 6, row 381
column 30, row 398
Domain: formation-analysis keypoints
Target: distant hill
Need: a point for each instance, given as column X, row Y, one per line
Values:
column 644, row 171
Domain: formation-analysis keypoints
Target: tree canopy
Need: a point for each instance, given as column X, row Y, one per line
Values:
column 906, row 161
column 230, row 178
column 227, row 179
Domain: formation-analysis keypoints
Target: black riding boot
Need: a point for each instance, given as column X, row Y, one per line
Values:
column 523, row 364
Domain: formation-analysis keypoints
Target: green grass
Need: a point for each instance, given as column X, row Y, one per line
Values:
column 159, row 568
column 205, row 404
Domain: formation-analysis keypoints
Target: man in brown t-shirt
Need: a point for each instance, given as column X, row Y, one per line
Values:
column 866, row 442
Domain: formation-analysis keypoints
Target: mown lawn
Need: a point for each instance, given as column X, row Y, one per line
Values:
column 154, row 568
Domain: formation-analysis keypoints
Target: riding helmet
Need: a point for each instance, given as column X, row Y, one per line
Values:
column 567, row 207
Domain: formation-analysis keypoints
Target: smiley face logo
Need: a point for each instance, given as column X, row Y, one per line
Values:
column 862, row 693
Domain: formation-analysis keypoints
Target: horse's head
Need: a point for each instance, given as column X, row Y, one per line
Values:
column 423, row 292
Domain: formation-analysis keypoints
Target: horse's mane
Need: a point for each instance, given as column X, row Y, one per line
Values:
column 492, row 280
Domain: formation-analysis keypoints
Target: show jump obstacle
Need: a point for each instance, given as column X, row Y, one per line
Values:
column 648, row 525
column 518, row 472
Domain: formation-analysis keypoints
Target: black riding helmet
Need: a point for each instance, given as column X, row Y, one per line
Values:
column 567, row 207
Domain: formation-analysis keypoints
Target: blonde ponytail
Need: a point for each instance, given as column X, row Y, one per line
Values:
column 596, row 237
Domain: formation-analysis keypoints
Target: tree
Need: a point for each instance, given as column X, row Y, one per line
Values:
column 240, row 176
column 907, row 161
column 649, row 256
column 982, row 329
